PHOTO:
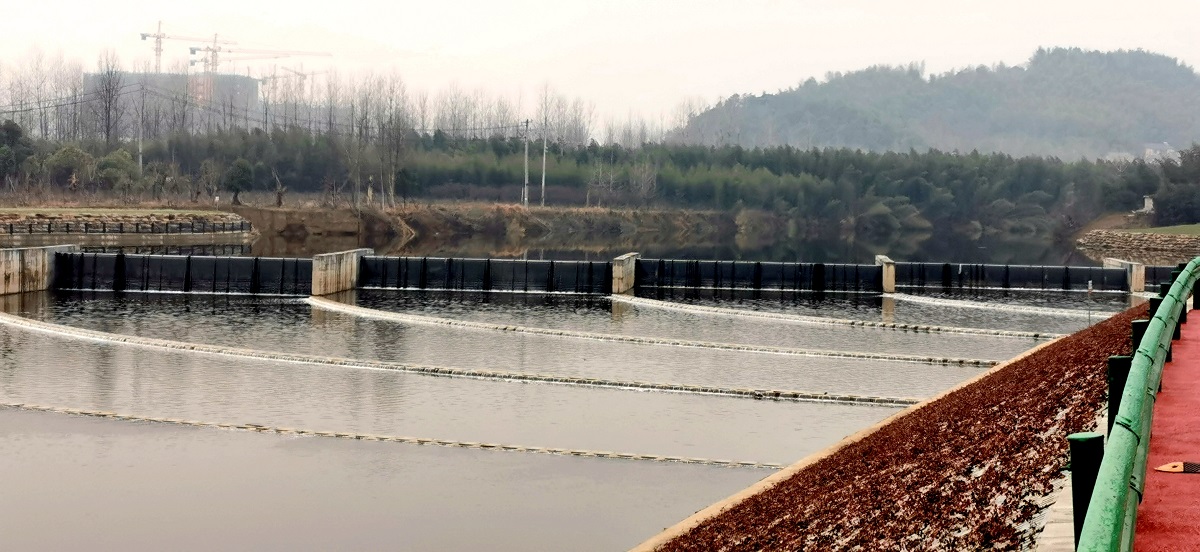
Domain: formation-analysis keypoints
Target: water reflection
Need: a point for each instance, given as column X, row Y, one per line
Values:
column 222, row 389
column 151, row 486
column 935, row 247
column 295, row 327
column 588, row 314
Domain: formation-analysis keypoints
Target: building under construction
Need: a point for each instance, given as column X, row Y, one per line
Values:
column 180, row 99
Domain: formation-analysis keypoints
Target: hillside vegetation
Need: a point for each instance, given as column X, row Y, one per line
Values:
column 1064, row 102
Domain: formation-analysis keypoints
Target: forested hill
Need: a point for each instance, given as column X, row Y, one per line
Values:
column 1064, row 102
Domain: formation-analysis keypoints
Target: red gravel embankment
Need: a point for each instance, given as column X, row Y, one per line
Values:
column 961, row 473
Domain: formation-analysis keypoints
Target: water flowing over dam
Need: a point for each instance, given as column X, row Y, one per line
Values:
column 473, row 402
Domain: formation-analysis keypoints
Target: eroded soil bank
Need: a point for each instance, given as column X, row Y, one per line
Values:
column 963, row 472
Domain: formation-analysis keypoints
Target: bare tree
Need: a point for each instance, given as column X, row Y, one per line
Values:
column 66, row 84
column 332, row 103
column 107, row 106
column 502, row 115
column 394, row 121
column 179, row 103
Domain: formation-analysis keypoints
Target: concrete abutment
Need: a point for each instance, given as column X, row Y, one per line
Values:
column 337, row 272
column 27, row 269
column 888, row 284
column 624, row 273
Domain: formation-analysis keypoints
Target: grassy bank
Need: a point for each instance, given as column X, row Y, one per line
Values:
column 1183, row 230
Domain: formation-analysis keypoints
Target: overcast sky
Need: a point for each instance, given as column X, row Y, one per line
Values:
column 624, row 56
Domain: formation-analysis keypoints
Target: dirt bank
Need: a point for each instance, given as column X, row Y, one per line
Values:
column 964, row 472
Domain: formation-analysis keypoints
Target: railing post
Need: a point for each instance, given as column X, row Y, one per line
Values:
column 1118, row 375
column 1139, row 331
column 1087, row 450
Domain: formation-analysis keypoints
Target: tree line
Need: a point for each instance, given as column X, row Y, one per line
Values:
column 843, row 190
column 373, row 140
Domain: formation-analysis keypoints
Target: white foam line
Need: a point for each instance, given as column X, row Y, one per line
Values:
column 295, row 296
column 354, row 310
column 486, row 291
column 59, row 330
column 802, row 319
column 1100, row 315
column 392, row 438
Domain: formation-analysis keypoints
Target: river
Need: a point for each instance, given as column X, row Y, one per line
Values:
column 86, row 482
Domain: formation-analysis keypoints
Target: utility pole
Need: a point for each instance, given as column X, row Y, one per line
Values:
column 543, row 166
column 141, row 123
column 525, row 191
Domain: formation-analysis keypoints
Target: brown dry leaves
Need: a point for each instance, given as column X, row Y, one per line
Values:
column 961, row 473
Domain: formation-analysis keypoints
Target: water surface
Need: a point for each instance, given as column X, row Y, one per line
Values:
column 67, row 372
column 75, row 483
column 274, row 324
column 601, row 315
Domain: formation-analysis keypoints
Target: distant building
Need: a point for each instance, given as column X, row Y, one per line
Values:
column 1147, row 205
column 1159, row 150
column 235, row 96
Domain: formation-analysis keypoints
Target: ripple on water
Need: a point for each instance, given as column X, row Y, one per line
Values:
column 134, row 380
column 601, row 315
column 280, row 325
column 859, row 306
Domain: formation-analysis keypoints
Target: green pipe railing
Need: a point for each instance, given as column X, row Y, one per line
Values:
column 1112, row 511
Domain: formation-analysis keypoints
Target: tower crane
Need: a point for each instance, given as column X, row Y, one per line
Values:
column 303, row 75
column 213, row 59
column 209, row 64
column 160, row 36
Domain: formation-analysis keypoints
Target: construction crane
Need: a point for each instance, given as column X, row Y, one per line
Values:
column 209, row 64
column 302, row 75
column 160, row 36
column 212, row 59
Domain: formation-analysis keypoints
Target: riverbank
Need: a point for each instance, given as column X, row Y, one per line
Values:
column 939, row 476
column 122, row 227
column 101, row 220
column 1146, row 247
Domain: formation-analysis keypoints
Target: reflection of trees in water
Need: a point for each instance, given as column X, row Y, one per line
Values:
column 218, row 250
column 916, row 247
column 922, row 246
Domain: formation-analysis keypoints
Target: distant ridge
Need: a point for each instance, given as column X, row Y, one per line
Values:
column 1064, row 102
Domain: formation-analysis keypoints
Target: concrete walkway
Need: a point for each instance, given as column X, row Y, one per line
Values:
column 1169, row 516
column 1059, row 533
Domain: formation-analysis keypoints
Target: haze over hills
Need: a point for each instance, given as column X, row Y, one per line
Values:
column 1064, row 102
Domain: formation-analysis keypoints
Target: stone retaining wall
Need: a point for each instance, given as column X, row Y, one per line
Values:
column 1145, row 248
column 24, row 228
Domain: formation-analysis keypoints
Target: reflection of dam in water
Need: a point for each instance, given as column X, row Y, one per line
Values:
column 556, row 447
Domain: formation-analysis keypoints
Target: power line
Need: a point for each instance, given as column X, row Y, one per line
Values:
column 66, row 101
column 345, row 128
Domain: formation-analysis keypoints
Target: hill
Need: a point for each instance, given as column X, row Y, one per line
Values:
column 1065, row 102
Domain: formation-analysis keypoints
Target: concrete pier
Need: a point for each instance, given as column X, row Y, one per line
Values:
column 336, row 272
column 1135, row 271
column 889, row 273
column 624, row 273
column 29, row 268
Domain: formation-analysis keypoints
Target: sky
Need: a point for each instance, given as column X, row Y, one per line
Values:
column 627, row 58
